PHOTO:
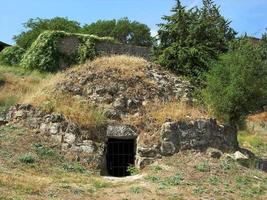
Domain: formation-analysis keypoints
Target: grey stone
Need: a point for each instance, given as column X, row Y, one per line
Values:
column 141, row 162
column 167, row 148
column 19, row 114
column 214, row 153
column 69, row 138
column 147, row 152
column 54, row 128
column 112, row 113
column 57, row 138
column 121, row 131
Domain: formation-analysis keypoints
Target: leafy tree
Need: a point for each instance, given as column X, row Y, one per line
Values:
column 191, row 38
column 123, row 30
column 237, row 83
column 34, row 27
column 101, row 28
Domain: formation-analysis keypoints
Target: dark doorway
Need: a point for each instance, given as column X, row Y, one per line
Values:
column 120, row 155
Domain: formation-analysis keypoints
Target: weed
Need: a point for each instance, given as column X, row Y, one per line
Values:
column 133, row 170
column 214, row 180
column 199, row 190
column 153, row 179
column 225, row 165
column 136, row 189
column 44, row 151
column 73, row 167
column 156, row 168
column 101, row 184
column 27, row 158
column 173, row 180
column 203, row 166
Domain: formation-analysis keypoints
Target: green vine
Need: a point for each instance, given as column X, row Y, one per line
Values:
column 44, row 54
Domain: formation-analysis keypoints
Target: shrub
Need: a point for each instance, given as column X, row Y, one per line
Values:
column 11, row 55
column 237, row 83
column 44, row 54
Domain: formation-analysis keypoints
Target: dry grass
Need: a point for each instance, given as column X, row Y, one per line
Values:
column 31, row 184
column 128, row 65
column 77, row 110
column 258, row 117
column 16, row 87
column 176, row 111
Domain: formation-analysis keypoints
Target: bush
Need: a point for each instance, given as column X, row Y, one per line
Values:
column 11, row 55
column 237, row 84
column 44, row 54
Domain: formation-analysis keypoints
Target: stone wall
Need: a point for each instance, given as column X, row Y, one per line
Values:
column 106, row 48
column 199, row 134
column 175, row 137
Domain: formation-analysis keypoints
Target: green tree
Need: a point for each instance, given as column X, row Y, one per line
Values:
column 123, row 30
column 101, row 28
column 191, row 38
column 237, row 83
column 34, row 27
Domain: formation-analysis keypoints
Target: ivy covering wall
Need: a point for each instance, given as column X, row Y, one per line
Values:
column 44, row 54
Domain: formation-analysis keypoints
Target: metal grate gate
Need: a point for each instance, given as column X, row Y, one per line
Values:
column 120, row 154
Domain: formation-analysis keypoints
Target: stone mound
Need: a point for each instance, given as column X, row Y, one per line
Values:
column 124, row 90
column 124, row 87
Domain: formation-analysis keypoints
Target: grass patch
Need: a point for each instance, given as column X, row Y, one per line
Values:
column 256, row 143
column 136, row 189
column 97, row 183
column 44, row 151
column 203, row 166
column 133, row 170
column 73, row 167
column 27, row 158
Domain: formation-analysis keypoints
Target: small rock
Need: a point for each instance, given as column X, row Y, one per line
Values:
column 69, row 138
column 214, row 153
column 238, row 156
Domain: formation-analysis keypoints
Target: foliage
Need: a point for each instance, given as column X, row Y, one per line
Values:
column 237, row 84
column 11, row 55
column 133, row 170
column 191, row 38
column 44, row 151
column 203, row 166
column 34, row 27
column 73, row 167
column 123, row 30
column 27, row 158
column 44, row 54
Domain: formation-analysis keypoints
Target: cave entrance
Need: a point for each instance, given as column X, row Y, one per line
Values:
column 120, row 155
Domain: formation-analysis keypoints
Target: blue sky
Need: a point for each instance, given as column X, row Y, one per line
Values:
column 246, row 15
